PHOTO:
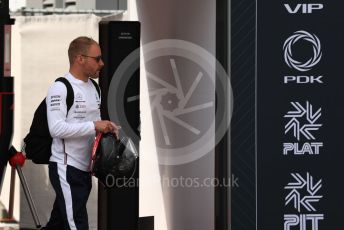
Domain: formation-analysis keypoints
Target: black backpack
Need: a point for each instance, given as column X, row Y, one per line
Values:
column 38, row 141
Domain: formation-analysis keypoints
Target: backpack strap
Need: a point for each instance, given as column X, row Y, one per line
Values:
column 96, row 85
column 70, row 92
column 69, row 102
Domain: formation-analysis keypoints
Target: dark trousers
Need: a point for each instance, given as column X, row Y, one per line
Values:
column 72, row 187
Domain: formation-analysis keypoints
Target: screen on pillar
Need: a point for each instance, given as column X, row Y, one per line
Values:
column 4, row 8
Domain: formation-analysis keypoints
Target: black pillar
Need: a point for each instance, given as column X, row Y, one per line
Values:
column 118, row 207
column 6, row 121
column 222, row 154
column 6, row 94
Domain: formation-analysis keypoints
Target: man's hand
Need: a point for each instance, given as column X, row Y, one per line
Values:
column 107, row 127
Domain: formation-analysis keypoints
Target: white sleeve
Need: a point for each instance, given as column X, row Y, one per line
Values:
column 57, row 111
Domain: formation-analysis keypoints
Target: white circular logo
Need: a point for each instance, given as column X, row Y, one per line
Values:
column 182, row 78
column 288, row 57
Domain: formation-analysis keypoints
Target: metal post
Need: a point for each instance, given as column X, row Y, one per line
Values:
column 28, row 197
column 12, row 188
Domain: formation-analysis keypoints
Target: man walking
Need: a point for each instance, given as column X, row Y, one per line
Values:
column 73, row 134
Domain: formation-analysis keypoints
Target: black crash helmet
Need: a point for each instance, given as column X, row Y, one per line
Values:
column 113, row 160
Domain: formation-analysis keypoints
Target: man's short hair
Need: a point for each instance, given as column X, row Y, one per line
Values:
column 79, row 45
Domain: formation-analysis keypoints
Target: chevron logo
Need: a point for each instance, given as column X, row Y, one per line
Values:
column 299, row 182
column 299, row 110
column 312, row 189
column 310, row 117
column 294, row 197
column 301, row 186
column 306, row 202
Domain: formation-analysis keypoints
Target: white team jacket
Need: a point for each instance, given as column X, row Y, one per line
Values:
column 77, row 128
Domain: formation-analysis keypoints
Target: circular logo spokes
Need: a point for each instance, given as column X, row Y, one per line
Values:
column 292, row 63
column 175, row 100
column 169, row 101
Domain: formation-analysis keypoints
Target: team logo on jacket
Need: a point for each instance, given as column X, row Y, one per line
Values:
column 79, row 97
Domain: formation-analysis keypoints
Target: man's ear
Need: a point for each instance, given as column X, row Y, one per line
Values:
column 79, row 59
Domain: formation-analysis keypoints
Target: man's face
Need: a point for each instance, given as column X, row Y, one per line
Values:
column 93, row 62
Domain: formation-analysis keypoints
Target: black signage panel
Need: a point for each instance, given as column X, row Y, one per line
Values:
column 118, row 206
column 299, row 115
